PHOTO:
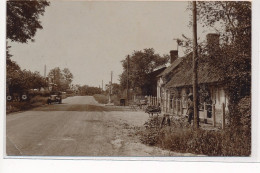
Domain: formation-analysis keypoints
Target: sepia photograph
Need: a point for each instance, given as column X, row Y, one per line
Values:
column 128, row 79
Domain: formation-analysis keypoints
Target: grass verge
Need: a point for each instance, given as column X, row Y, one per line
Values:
column 100, row 98
column 35, row 101
column 180, row 137
column 103, row 99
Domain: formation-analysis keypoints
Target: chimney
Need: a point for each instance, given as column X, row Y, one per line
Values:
column 174, row 55
column 212, row 43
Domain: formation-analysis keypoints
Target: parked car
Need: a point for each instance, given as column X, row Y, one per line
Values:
column 55, row 98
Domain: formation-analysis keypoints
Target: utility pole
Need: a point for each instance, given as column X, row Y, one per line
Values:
column 45, row 71
column 127, row 85
column 110, row 91
column 102, row 85
column 111, row 82
column 195, row 67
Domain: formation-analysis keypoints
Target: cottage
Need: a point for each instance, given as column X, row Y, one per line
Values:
column 175, row 83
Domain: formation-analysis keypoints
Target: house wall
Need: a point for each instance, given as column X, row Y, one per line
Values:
column 218, row 96
column 160, row 89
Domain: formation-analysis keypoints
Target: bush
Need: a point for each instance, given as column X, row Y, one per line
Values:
column 116, row 100
column 180, row 137
column 22, row 106
column 103, row 99
column 100, row 98
column 38, row 100
column 244, row 108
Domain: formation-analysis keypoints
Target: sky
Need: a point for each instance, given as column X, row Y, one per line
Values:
column 92, row 38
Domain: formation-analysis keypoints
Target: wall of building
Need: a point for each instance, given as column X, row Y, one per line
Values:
column 218, row 96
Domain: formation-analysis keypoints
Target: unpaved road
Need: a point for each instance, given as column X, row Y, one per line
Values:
column 78, row 127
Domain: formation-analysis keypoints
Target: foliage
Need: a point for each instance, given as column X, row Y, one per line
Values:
column 34, row 101
column 19, row 81
column 68, row 76
column 180, row 137
column 116, row 89
column 141, row 63
column 22, row 23
column 151, row 135
column 100, row 98
column 61, row 79
column 23, row 19
column 232, row 21
column 88, row 90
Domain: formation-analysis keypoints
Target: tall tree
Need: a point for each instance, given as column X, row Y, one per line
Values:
column 141, row 63
column 57, row 78
column 61, row 79
column 23, row 19
column 68, row 76
column 234, row 17
column 232, row 20
column 22, row 23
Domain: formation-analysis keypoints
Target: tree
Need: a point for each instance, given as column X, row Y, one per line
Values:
column 20, row 81
column 56, row 77
column 141, row 63
column 88, row 90
column 232, row 20
column 68, row 76
column 22, row 23
column 23, row 19
column 61, row 79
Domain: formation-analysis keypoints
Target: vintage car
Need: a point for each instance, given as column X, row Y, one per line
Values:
column 55, row 98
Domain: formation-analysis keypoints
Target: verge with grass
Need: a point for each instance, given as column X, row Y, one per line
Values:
column 103, row 99
column 181, row 137
column 35, row 101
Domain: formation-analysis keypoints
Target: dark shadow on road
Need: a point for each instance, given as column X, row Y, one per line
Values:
column 79, row 107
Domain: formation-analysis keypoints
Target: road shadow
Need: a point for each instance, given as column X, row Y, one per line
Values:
column 79, row 107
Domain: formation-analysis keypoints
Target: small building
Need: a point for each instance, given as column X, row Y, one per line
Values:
column 175, row 82
column 151, row 88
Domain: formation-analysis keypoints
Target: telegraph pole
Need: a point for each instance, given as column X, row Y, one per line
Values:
column 45, row 71
column 102, row 85
column 110, row 91
column 111, row 81
column 195, row 67
column 127, row 85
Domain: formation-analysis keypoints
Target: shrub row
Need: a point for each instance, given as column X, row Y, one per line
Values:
column 180, row 137
column 21, row 106
column 103, row 99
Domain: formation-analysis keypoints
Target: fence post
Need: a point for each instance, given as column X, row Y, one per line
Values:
column 176, row 105
column 172, row 105
column 223, row 116
column 205, row 113
column 181, row 107
column 161, row 104
column 213, row 115
column 169, row 103
column 166, row 104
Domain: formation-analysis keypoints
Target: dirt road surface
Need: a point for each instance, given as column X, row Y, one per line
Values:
column 78, row 127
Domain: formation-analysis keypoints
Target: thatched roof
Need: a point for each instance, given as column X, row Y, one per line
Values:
column 182, row 75
column 155, row 73
column 171, row 67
